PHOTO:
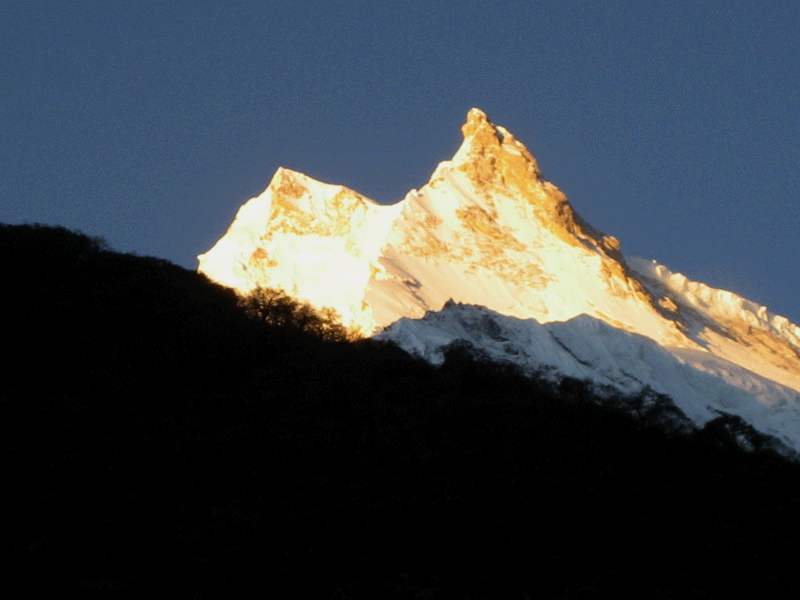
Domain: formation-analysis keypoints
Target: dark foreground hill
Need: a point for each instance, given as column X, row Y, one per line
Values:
column 156, row 441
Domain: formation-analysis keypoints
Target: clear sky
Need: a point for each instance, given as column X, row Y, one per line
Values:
column 673, row 126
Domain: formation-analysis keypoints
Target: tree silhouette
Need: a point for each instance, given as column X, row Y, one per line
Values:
column 275, row 307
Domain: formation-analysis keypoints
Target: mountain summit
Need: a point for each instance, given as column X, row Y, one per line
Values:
column 486, row 229
column 489, row 231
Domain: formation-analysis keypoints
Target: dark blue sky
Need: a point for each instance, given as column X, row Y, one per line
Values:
column 673, row 126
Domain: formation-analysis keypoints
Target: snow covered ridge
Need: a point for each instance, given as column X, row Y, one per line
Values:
column 488, row 230
column 714, row 303
column 587, row 348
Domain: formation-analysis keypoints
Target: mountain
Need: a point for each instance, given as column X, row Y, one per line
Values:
column 531, row 283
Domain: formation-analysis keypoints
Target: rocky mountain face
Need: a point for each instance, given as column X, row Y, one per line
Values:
column 488, row 231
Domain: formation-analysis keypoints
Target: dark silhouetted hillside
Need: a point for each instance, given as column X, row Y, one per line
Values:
column 158, row 441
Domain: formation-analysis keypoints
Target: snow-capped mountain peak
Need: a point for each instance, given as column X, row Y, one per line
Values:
column 488, row 230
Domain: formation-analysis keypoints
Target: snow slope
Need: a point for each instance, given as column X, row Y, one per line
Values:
column 703, row 386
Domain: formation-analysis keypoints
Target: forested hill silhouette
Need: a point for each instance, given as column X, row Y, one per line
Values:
column 156, row 440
